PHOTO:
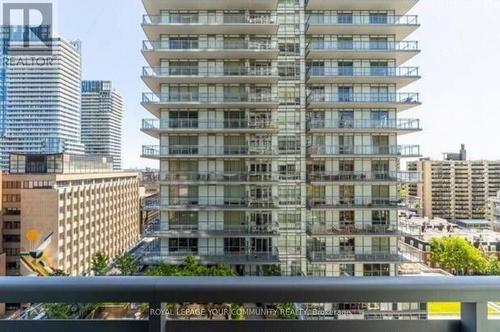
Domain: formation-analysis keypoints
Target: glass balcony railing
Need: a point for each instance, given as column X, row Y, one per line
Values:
column 364, row 228
column 187, row 45
column 400, row 176
column 208, row 19
column 208, row 98
column 401, row 72
column 393, row 150
column 226, row 176
column 363, row 46
column 173, row 124
column 380, row 19
column 356, row 201
column 390, row 124
column 219, row 202
column 202, row 71
column 363, row 254
column 194, row 150
column 392, row 98
column 212, row 229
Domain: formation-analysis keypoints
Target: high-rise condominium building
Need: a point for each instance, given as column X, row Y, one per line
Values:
column 41, row 111
column 60, row 209
column 278, row 124
column 455, row 189
column 102, row 113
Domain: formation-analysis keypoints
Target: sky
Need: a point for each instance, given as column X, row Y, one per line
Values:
column 460, row 85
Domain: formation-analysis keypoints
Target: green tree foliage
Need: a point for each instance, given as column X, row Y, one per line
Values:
column 126, row 264
column 100, row 263
column 190, row 267
column 286, row 311
column 459, row 256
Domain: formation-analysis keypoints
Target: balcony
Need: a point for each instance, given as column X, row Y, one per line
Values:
column 401, row 76
column 197, row 151
column 368, row 202
column 153, row 102
column 375, row 24
column 155, row 127
column 155, row 6
column 401, row 126
column 399, row 6
column 225, row 177
column 155, row 51
column 356, row 229
column 400, row 51
column 320, row 178
column 364, row 255
column 399, row 101
column 214, row 202
column 407, row 151
column 212, row 230
column 155, row 77
column 197, row 23
column 226, row 255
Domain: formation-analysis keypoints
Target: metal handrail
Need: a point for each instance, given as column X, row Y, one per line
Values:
column 365, row 201
column 187, row 45
column 396, row 150
column 323, row 176
column 223, row 176
column 473, row 293
column 225, row 150
column 209, row 124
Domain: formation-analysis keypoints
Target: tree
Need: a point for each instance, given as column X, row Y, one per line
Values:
column 126, row 264
column 458, row 255
column 100, row 263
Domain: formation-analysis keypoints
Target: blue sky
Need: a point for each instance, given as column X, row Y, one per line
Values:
column 460, row 88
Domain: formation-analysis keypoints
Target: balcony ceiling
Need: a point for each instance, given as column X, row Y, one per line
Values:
column 154, row 6
column 400, row 6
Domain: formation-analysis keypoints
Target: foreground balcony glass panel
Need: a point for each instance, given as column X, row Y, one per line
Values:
column 197, row 151
column 405, row 125
column 390, row 150
column 401, row 76
column 218, row 202
column 400, row 101
column 343, row 176
column 334, row 202
column 400, row 51
column 376, row 24
column 154, row 127
column 202, row 23
column 154, row 77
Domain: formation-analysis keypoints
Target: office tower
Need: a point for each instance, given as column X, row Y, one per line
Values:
column 67, row 207
column 278, row 125
column 102, row 113
column 455, row 189
column 42, row 107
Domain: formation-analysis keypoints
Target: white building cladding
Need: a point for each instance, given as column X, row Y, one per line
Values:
column 278, row 123
column 102, row 113
column 43, row 102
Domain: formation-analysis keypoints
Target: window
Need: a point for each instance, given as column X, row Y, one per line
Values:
column 345, row 93
column 346, row 270
column 346, row 245
column 288, row 145
column 344, row 18
column 345, row 43
column 376, row 270
column 183, row 42
column 183, row 245
column 234, row 245
column 378, row 18
column 381, row 245
column 346, row 68
column 183, row 68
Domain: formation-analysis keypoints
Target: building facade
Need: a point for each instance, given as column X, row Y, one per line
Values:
column 278, row 125
column 41, row 107
column 102, row 113
column 67, row 208
column 455, row 189
column 494, row 211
